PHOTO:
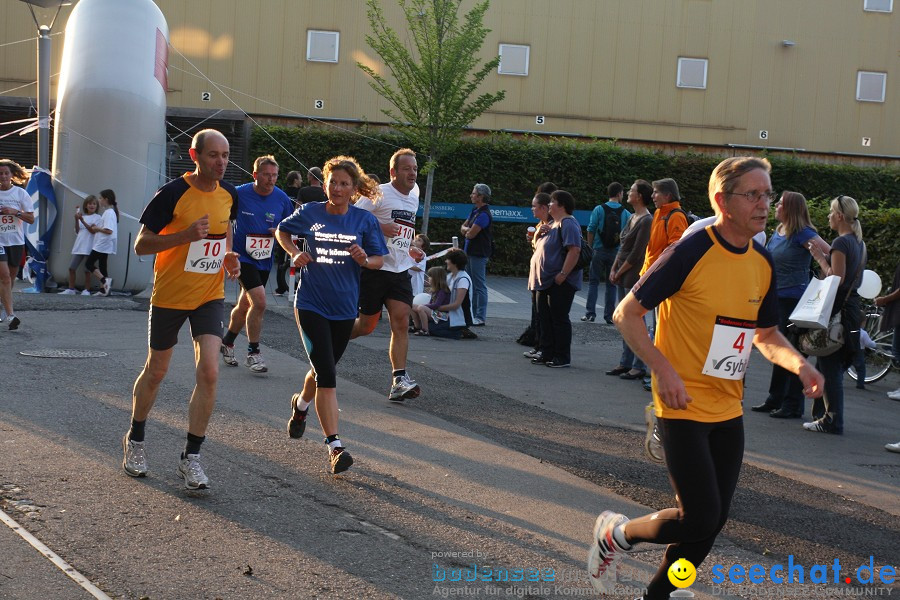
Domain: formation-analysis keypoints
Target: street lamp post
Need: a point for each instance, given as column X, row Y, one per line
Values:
column 43, row 93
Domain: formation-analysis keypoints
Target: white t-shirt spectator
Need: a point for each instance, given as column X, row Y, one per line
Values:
column 107, row 242
column 84, row 241
column 458, row 282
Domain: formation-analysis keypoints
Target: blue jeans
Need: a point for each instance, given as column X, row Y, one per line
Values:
column 477, row 270
column 629, row 358
column 599, row 272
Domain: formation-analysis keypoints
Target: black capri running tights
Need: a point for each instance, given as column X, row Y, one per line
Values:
column 704, row 462
column 325, row 341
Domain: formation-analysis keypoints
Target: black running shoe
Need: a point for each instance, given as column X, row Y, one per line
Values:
column 297, row 422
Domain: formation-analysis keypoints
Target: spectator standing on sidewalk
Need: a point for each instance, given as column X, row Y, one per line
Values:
column 604, row 232
column 479, row 246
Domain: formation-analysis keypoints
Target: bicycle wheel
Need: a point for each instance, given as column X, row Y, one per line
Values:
column 878, row 359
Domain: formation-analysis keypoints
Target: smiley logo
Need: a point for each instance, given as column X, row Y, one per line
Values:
column 682, row 573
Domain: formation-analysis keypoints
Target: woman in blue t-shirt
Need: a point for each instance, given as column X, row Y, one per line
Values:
column 337, row 241
column 789, row 247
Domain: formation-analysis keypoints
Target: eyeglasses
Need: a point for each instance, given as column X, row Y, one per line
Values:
column 754, row 197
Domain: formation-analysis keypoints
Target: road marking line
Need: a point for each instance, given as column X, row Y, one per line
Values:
column 54, row 558
column 495, row 296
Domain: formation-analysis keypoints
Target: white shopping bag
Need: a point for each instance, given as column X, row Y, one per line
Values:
column 814, row 309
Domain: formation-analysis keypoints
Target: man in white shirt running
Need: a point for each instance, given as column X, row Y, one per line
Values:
column 390, row 286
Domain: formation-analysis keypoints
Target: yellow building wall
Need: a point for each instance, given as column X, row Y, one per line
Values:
column 598, row 68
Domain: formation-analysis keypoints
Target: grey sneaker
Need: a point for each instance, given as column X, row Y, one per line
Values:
column 605, row 552
column 255, row 363
column 228, row 355
column 135, row 461
column 339, row 460
column 404, row 387
column 191, row 471
column 652, row 441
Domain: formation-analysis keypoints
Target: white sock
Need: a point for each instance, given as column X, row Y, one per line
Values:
column 335, row 444
column 302, row 405
column 619, row 537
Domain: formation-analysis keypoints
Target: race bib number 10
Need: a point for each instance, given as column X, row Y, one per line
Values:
column 729, row 350
column 259, row 247
column 206, row 256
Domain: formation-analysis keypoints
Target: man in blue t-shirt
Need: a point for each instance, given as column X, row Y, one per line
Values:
column 261, row 207
column 603, row 232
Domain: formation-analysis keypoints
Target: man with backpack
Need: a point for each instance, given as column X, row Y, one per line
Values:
column 603, row 232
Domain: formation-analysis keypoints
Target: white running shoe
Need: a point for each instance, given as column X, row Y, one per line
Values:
column 893, row 447
column 85, row 292
column 228, row 355
column 255, row 363
column 895, row 395
column 605, row 552
column 107, row 284
column 191, row 471
column 68, row 292
column 652, row 441
column 404, row 387
column 135, row 461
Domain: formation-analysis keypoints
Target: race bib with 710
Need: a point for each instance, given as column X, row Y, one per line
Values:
column 729, row 350
column 403, row 239
column 206, row 255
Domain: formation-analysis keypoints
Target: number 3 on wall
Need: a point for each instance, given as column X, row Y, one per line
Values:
column 319, row 104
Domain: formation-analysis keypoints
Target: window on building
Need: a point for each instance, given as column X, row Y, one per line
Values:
column 513, row 59
column 879, row 5
column 692, row 73
column 870, row 86
column 322, row 46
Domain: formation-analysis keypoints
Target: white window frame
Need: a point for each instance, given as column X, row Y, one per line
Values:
column 867, row 6
column 683, row 60
column 500, row 70
column 859, row 77
column 309, row 47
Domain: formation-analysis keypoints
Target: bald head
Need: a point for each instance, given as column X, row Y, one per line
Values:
column 203, row 136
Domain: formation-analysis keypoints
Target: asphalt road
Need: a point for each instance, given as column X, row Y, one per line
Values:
column 498, row 463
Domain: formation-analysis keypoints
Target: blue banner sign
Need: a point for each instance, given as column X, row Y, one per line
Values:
column 505, row 214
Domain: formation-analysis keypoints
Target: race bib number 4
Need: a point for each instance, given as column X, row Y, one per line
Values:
column 7, row 224
column 259, row 247
column 729, row 350
column 206, row 256
column 403, row 239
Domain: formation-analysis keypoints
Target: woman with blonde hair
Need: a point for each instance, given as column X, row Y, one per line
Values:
column 846, row 259
column 337, row 241
column 790, row 254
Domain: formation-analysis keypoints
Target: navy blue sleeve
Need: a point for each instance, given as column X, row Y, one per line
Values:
column 768, row 308
column 160, row 211
column 668, row 273
column 234, row 199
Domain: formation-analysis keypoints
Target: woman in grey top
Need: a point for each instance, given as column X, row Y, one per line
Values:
column 626, row 268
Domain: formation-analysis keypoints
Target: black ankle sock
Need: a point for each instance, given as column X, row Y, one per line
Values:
column 193, row 444
column 253, row 348
column 399, row 372
column 229, row 337
column 136, row 433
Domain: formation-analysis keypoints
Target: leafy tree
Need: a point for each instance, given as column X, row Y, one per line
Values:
column 434, row 77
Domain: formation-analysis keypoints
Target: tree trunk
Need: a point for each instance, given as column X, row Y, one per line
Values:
column 429, row 184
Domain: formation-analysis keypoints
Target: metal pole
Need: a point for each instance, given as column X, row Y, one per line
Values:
column 43, row 138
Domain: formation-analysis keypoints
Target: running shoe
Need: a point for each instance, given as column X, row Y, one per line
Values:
column 404, row 388
column 104, row 289
column 589, row 318
column 557, row 364
column 340, row 459
column 893, row 447
column 531, row 353
column 228, row 355
column 605, row 552
column 297, row 422
column 255, row 363
column 652, row 441
column 191, row 471
column 14, row 323
column 135, row 461
column 85, row 292
column 68, row 292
